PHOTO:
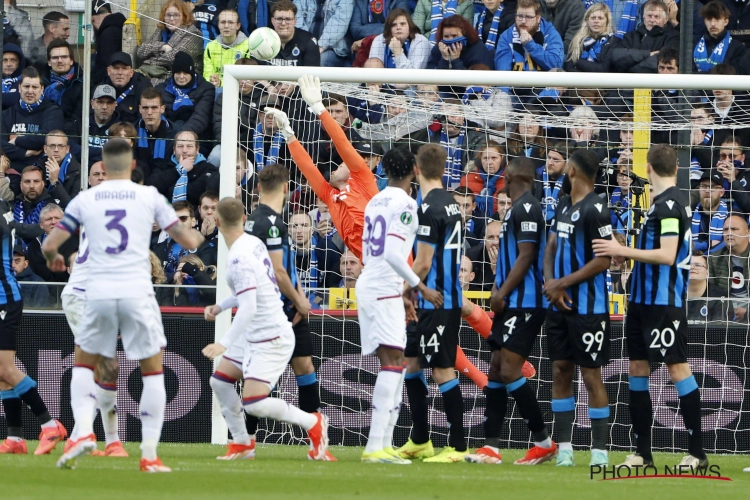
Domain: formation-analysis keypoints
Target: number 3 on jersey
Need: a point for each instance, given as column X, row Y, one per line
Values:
column 114, row 225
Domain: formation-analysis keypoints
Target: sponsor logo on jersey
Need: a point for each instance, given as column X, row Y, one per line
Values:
column 598, row 207
column 423, row 230
column 605, row 231
column 425, row 206
column 528, row 226
column 249, row 226
column 670, row 204
column 527, row 206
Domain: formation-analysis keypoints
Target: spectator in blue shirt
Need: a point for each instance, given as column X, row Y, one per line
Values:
column 710, row 214
column 532, row 44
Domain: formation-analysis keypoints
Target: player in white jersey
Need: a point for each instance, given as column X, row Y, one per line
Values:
column 106, row 371
column 118, row 216
column 388, row 238
column 260, row 319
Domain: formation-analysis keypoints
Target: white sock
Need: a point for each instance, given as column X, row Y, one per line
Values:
column 547, row 443
column 383, row 396
column 231, row 409
column 280, row 411
column 151, row 409
column 106, row 399
column 83, row 401
column 394, row 413
column 565, row 446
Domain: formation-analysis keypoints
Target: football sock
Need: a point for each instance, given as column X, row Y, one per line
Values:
column 279, row 410
column 641, row 415
column 151, row 409
column 599, row 427
column 83, row 400
column 395, row 412
column 453, row 402
column 690, row 407
column 251, row 424
column 106, row 399
column 494, row 412
column 309, row 392
column 26, row 390
column 13, row 407
column 480, row 321
column 529, row 409
column 565, row 412
column 416, row 391
column 383, row 396
column 231, row 406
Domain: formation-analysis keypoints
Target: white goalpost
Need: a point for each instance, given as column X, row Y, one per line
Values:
column 521, row 113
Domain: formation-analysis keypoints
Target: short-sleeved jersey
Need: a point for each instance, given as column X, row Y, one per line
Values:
column 79, row 275
column 390, row 212
column 524, row 223
column 250, row 270
column 441, row 226
column 118, row 216
column 662, row 285
column 576, row 226
column 10, row 291
column 269, row 227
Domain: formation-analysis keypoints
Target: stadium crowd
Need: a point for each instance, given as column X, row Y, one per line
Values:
column 168, row 102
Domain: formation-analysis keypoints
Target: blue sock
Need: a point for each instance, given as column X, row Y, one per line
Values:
column 416, row 375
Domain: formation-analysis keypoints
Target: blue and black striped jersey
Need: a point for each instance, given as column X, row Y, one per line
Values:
column 10, row 290
column 661, row 285
column 270, row 227
column 524, row 223
column 441, row 226
column 576, row 226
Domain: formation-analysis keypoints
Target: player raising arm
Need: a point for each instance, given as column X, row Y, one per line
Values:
column 390, row 229
column 519, row 308
column 118, row 216
column 266, row 331
column 578, row 321
column 657, row 322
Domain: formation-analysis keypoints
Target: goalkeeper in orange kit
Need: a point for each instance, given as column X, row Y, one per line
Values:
column 350, row 188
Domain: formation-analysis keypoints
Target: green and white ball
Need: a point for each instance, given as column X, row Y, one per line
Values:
column 264, row 44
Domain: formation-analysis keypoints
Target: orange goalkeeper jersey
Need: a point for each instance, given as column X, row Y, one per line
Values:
column 347, row 206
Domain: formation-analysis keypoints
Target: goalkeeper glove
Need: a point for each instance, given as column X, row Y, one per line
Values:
column 282, row 122
column 309, row 87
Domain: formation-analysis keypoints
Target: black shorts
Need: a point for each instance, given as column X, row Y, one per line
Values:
column 578, row 338
column 516, row 330
column 10, row 320
column 303, row 344
column 434, row 340
column 657, row 333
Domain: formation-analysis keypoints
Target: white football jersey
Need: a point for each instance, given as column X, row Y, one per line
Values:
column 79, row 275
column 393, row 212
column 118, row 216
column 249, row 268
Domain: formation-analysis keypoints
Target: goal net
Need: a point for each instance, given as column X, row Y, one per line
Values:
column 484, row 119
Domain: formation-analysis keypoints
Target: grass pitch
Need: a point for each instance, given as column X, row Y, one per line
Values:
column 283, row 472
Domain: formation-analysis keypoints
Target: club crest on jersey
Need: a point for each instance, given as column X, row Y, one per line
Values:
column 704, row 311
column 406, row 218
column 576, row 215
column 295, row 51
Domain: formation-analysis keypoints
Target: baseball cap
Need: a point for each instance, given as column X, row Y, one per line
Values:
column 713, row 176
column 105, row 91
column 368, row 148
column 19, row 250
column 121, row 57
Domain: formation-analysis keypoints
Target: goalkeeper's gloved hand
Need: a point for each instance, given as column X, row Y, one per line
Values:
column 309, row 87
column 282, row 122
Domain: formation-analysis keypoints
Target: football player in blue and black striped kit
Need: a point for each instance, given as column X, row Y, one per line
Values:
column 519, row 307
column 578, row 318
column 656, row 325
column 434, row 343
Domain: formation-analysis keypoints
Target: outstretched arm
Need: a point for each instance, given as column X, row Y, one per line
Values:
column 301, row 157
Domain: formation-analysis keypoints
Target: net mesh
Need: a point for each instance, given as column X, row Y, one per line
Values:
column 537, row 123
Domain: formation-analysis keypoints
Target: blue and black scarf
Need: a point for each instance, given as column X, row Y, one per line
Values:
column 491, row 41
column 521, row 59
column 56, row 88
column 261, row 159
column 439, row 13
column 20, row 215
column 704, row 61
column 64, row 168
column 454, row 162
column 390, row 61
column 592, row 47
column 31, row 107
column 179, row 193
column 181, row 96
column 550, row 194
column 160, row 145
column 628, row 20
column 486, row 197
column 125, row 93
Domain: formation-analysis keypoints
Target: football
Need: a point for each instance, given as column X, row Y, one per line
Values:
column 264, row 44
